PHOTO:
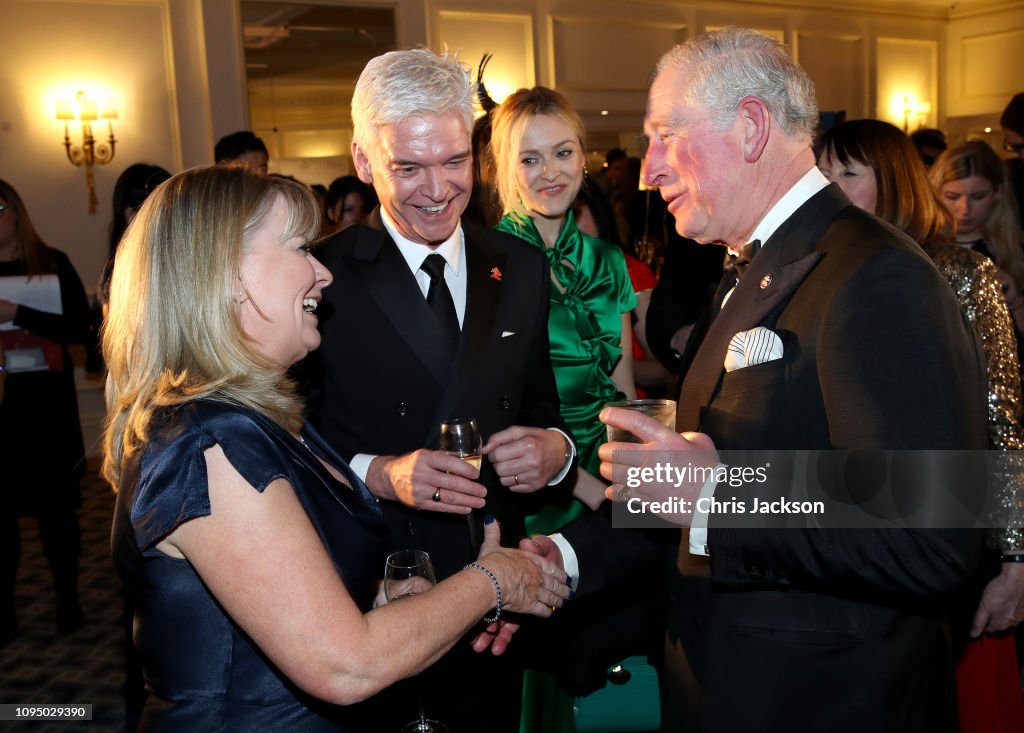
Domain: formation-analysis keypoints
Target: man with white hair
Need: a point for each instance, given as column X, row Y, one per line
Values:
column 789, row 627
column 430, row 318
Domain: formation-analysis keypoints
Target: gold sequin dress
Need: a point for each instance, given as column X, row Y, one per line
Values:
column 976, row 286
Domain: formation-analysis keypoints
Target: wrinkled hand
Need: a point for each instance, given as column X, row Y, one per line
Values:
column 414, row 477
column 632, row 468
column 530, row 583
column 526, row 459
column 1002, row 602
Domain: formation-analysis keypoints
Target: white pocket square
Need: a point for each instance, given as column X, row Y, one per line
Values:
column 506, row 334
column 749, row 348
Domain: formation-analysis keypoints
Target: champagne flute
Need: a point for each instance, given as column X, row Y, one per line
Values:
column 406, row 573
column 461, row 437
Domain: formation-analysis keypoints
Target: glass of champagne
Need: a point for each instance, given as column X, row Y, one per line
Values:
column 406, row 573
column 461, row 437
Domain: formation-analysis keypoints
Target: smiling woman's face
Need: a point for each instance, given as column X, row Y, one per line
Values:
column 549, row 166
column 283, row 285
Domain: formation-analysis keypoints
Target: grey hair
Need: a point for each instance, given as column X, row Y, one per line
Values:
column 722, row 67
column 402, row 84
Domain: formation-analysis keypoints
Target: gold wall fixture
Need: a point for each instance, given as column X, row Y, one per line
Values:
column 90, row 152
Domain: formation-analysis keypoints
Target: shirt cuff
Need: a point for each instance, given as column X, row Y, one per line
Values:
column 568, row 464
column 570, row 563
column 360, row 464
column 699, row 525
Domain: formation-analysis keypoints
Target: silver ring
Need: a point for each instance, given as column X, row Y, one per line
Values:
column 437, row 496
column 623, row 494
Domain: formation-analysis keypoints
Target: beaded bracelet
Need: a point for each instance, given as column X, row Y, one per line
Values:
column 497, row 590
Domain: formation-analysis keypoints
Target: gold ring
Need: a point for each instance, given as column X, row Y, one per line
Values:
column 515, row 480
column 437, row 496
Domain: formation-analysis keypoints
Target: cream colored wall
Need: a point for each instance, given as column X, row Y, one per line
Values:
column 985, row 68
column 162, row 60
column 599, row 53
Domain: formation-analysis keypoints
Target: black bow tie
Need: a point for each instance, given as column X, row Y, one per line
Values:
column 738, row 263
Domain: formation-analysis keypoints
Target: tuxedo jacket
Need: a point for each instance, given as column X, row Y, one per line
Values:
column 385, row 382
column 829, row 629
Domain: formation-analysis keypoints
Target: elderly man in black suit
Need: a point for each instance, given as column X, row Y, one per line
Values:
column 796, row 628
column 430, row 318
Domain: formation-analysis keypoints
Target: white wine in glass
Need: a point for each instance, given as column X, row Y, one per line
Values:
column 406, row 573
column 461, row 437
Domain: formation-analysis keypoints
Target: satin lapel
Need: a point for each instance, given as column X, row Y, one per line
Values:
column 393, row 287
column 788, row 257
column 484, row 291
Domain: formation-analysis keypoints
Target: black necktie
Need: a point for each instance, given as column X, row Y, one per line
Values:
column 439, row 298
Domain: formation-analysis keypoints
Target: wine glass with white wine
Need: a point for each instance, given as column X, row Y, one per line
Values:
column 461, row 438
column 406, row 573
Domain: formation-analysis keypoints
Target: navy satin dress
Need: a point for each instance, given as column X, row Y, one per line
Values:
column 202, row 672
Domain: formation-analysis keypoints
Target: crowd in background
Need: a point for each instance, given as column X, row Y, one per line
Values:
column 628, row 300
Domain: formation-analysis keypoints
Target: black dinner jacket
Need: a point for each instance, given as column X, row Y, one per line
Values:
column 385, row 385
column 818, row 629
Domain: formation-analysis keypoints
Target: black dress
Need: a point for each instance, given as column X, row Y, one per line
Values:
column 39, row 426
column 202, row 672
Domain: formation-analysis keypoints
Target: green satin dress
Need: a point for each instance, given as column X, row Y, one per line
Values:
column 590, row 290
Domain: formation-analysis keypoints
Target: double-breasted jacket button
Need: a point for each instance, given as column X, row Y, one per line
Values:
column 401, row 408
column 506, row 403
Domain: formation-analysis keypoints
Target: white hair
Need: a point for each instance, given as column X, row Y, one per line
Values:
column 402, row 84
column 722, row 67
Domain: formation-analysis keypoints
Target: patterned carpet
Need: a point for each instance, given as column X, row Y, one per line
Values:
column 84, row 667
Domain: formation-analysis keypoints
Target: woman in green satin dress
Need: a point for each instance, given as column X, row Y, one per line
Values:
column 538, row 144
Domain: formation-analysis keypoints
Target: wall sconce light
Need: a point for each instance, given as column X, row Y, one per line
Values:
column 90, row 152
column 913, row 110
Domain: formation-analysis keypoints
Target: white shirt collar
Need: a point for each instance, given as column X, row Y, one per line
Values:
column 811, row 182
column 415, row 252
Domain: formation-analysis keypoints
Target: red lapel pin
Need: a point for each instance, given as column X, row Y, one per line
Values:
column 495, row 274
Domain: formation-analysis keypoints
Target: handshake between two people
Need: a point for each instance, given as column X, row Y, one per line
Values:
column 619, row 460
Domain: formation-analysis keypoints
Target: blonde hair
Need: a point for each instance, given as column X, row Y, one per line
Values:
column 509, row 126
column 173, row 332
column 1001, row 230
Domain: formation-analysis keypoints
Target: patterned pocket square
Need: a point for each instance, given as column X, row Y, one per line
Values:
column 749, row 348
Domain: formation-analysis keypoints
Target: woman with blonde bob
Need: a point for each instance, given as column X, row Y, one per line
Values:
column 539, row 148
column 539, row 145
column 249, row 548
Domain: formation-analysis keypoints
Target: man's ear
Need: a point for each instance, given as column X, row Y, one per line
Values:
column 362, row 164
column 757, row 124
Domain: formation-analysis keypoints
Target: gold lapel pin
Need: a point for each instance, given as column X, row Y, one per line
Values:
column 766, row 281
